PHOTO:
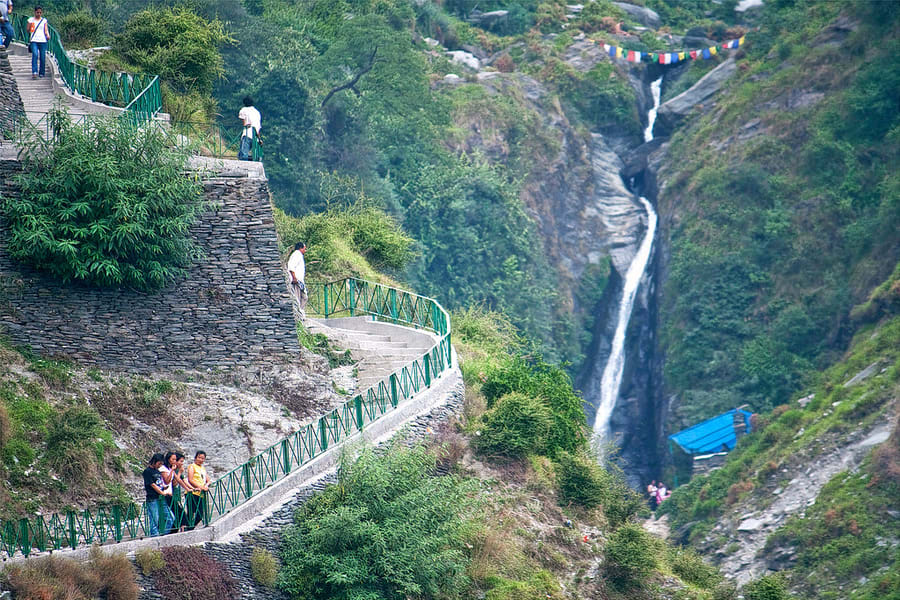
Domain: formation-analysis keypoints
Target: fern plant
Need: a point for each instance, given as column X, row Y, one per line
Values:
column 103, row 203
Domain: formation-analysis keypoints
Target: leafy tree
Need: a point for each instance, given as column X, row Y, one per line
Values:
column 176, row 44
column 107, row 205
column 386, row 530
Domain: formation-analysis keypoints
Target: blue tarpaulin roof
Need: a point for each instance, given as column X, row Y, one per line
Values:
column 710, row 435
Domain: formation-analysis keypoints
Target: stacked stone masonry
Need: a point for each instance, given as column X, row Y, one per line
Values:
column 232, row 309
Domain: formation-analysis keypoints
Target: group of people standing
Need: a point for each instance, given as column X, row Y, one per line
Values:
column 658, row 493
column 162, row 476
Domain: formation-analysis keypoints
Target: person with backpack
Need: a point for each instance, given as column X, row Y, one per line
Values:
column 38, row 39
column 6, row 29
column 251, row 120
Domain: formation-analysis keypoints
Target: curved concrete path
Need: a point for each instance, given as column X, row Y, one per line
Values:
column 376, row 345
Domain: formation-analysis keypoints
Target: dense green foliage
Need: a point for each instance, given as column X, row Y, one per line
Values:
column 386, row 530
column 582, row 481
column 107, row 205
column 631, row 555
column 788, row 433
column 788, row 229
column 176, row 44
column 515, row 427
column 552, row 386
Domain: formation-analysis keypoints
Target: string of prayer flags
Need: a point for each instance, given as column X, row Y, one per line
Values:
column 670, row 58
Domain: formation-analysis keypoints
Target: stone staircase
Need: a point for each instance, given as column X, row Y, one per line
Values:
column 379, row 349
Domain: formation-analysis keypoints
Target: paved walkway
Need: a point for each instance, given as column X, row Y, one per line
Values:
column 39, row 95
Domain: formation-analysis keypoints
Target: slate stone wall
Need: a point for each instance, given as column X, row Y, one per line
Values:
column 233, row 308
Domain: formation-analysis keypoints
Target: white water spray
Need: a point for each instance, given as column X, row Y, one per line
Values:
column 615, row 365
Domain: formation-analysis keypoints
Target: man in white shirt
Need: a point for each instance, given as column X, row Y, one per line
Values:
column 297, row 271
column 6, row 30
column 252, row 122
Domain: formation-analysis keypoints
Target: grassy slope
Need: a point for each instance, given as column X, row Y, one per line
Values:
column 786, row 207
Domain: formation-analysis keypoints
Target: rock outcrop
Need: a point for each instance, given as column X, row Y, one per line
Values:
column 641, row 14
column 671, row 113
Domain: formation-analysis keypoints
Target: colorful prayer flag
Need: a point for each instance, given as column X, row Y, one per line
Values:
column 693, row 55
column 713, row 50
column 681, row 56
column 706, row 53
column 619, row 52
column 631, row 56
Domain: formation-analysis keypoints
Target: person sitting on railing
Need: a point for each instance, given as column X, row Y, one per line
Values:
column 6, row 29
column 196, row 501
column 39, row 32
column 252, row 122
column 155, row 488
column 297, row 271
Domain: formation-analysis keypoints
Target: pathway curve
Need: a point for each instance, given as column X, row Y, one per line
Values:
column 39, row 95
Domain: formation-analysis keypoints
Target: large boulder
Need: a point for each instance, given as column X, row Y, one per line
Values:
column 676, row 109
column 642, row 15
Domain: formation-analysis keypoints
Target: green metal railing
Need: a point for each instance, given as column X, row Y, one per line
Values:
column 204, row 139
column 350, row 297
column 139, row 94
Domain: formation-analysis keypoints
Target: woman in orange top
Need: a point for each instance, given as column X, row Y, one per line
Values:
column 39, row 37
column 196, row 501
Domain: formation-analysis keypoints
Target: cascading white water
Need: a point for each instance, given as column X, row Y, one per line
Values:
column 615, row 365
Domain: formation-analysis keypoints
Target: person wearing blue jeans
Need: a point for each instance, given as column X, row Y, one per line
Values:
column 157, row 509
column 39, row 38
column 6, row 30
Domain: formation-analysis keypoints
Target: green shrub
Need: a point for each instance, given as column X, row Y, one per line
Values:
column 191, row 574
column 69, row 442
column 689, row 566
column 550, row 384
column 176, row 44
column 264, row 567
column 767, row 587
column 582, row 481
column 631, row 555
column 149, row 560
column 107, row 205
column 515, row 427
column 352, row 239
column 387, row 529
column 54, row 372
column 80, row 29
column 539, row 586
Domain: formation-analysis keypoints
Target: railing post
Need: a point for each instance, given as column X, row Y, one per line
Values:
column 427, row 359
column 24, row 537
column 117, row 521
column 359, row 412
column 351, row 285
column 393, row 296
column 325, row 294
column 394, row 389
column 286, row 455
column 248, row 482
column 323, row 433
column 73, row 533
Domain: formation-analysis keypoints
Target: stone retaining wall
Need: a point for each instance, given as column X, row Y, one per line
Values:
column 232, row 309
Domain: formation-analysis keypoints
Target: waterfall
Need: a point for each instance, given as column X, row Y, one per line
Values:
column 615, row 364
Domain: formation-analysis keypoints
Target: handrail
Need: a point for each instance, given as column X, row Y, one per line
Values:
column 354, row 297
column 112, row 89
column 205, row 139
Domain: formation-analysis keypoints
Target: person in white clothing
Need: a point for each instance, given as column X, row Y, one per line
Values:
column 297, row 271
column 251, row 120
column 39, row 37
